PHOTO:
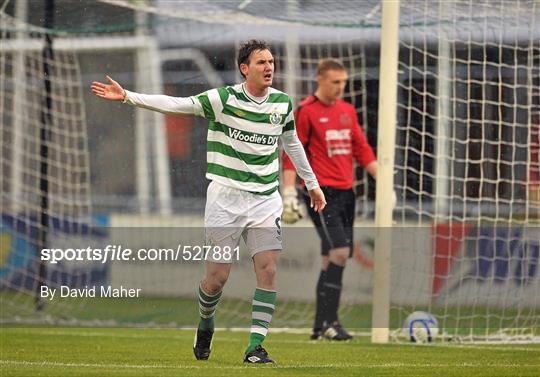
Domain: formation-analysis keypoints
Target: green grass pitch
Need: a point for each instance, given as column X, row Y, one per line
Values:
column 52, row 351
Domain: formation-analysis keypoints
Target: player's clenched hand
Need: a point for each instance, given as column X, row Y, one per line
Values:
column 291, row 208
column 318, row 202
column 113, row 91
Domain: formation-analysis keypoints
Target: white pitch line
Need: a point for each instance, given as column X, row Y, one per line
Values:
column 293, row 366
column 180, row 334
column 183, row 333
column 87, row 365
column 493, row 347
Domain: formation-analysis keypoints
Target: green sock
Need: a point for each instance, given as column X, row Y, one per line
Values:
column 261, row 314
column 207, row 308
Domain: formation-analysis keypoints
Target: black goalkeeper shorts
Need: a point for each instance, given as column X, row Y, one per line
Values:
column 335, row 224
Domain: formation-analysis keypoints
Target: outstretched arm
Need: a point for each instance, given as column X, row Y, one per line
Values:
column 156, row 102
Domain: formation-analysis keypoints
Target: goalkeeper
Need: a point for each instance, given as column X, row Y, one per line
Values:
column 245, row 122
column 328, row 128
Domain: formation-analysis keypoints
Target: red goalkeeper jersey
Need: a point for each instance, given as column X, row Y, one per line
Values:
column 331, row 137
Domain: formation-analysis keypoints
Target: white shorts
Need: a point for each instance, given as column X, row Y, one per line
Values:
column 231, row 213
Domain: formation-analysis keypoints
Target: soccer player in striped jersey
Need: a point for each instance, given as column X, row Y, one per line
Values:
column 245, row 123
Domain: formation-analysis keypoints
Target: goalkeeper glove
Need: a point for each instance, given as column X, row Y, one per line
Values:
column 291, row 208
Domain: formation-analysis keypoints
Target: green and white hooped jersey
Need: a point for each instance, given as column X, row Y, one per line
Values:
column 243, row 136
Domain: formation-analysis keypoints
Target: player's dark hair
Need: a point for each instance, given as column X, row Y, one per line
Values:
column 247, row 48
column 330, row 64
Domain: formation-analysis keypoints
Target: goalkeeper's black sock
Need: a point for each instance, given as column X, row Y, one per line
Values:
column 320, row 303
column 332, row 291
column 207, row 308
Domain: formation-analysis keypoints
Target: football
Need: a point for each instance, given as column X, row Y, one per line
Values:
column 420, row 327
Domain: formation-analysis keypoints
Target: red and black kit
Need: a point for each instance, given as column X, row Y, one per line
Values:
column 332, row 137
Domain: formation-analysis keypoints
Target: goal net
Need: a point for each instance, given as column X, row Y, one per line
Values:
column 466, row 168
column 45, row 180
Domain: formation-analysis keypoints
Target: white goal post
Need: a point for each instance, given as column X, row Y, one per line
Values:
column 385, row 170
